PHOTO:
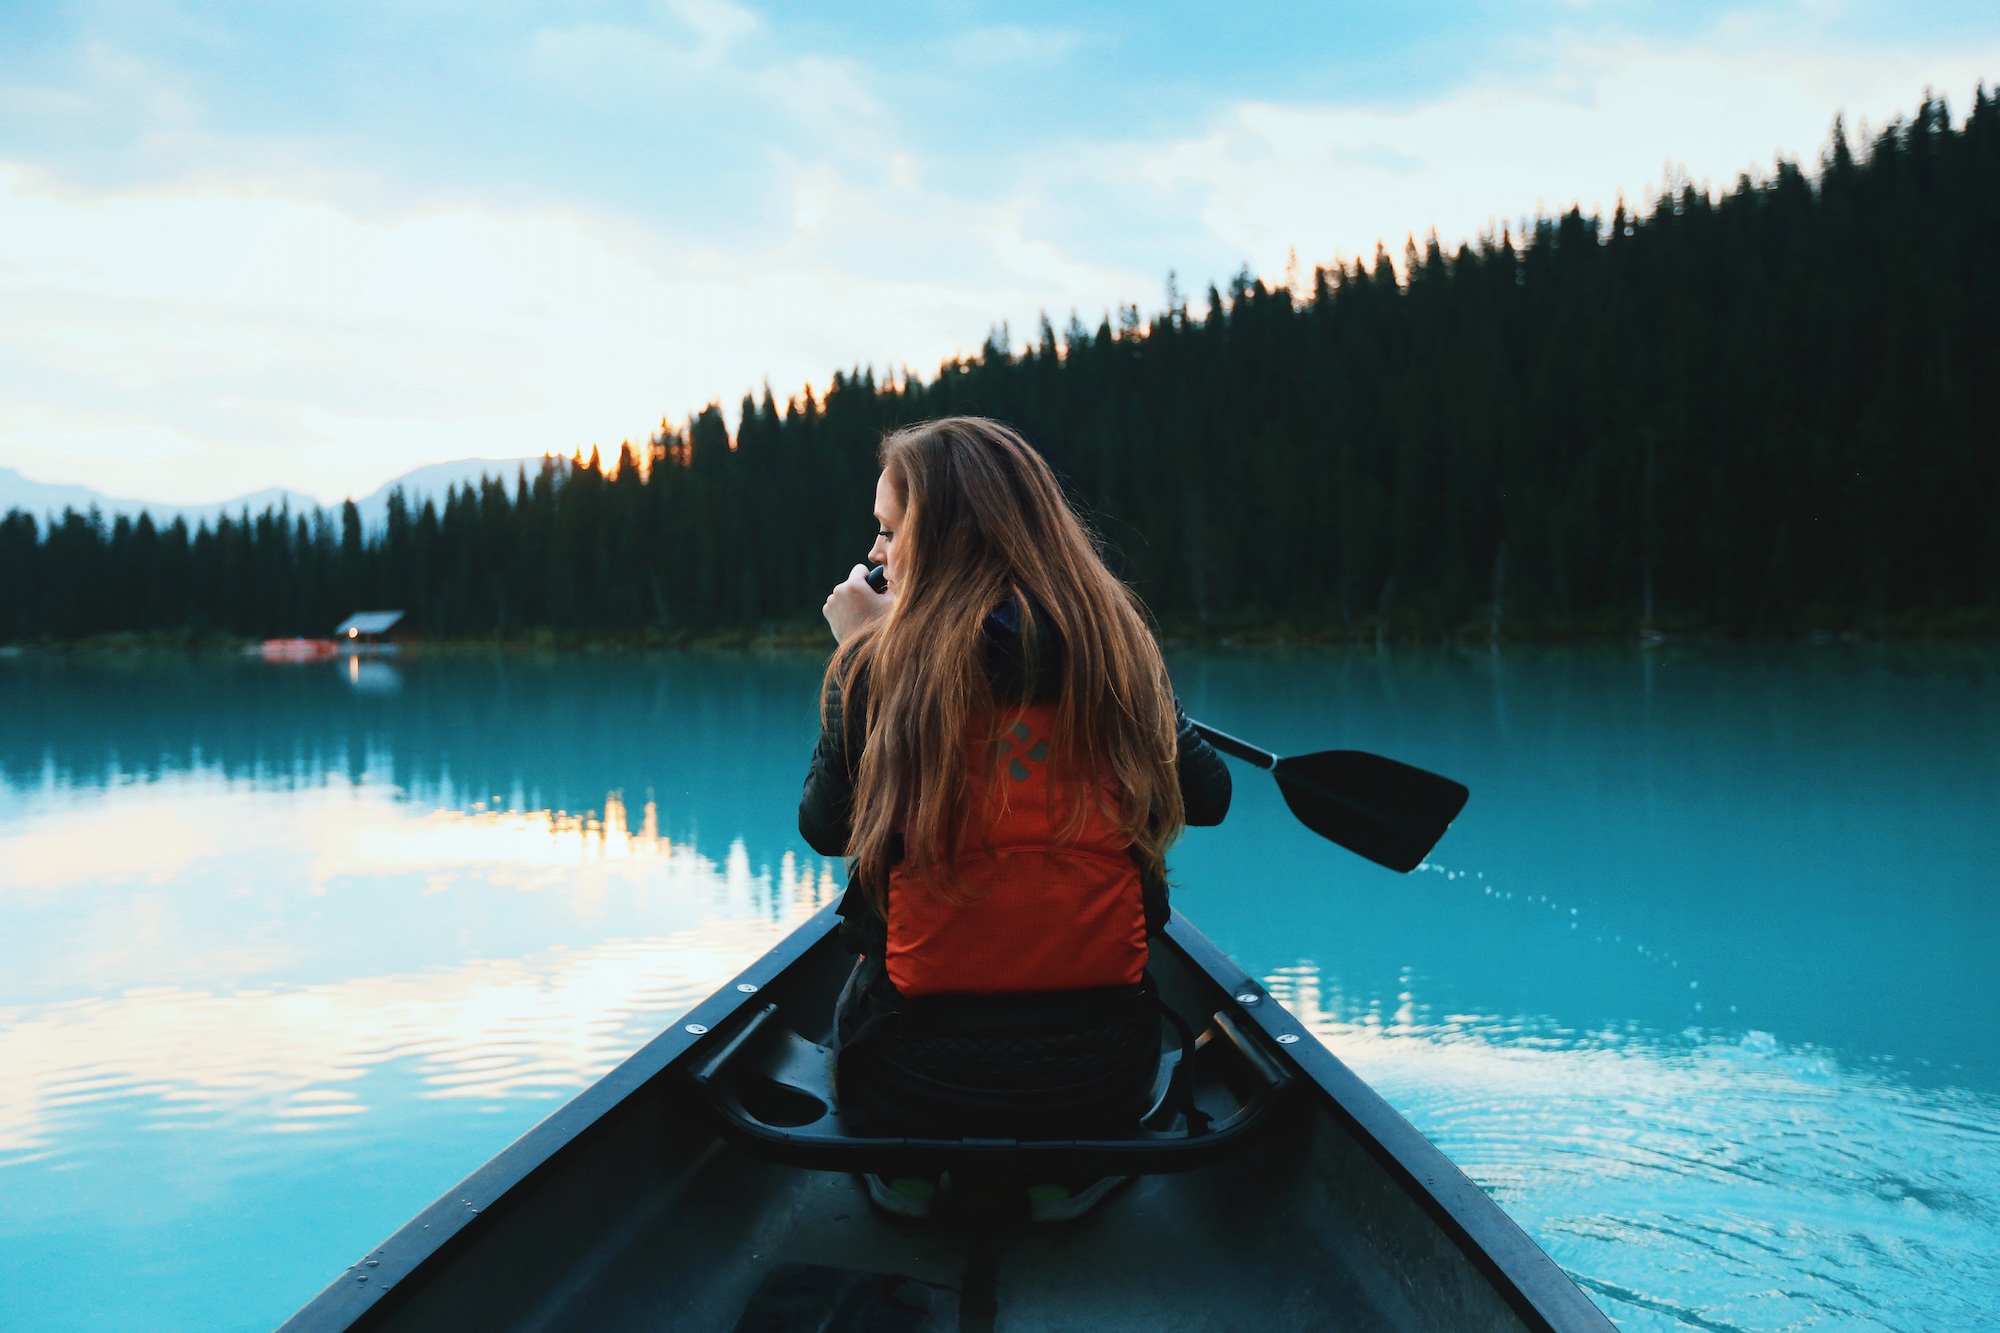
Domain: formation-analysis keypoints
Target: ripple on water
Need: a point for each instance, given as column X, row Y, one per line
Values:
column 75, row 1076
column 1726, row 1183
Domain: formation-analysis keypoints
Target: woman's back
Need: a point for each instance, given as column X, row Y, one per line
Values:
column 1003, row 763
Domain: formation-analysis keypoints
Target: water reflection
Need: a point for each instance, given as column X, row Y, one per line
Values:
column 366, row 677
column 275, row 975
column 1708, row 1181
column 1700, row 984
column 194, row 879
column 274, row 1061
column 530, row 733
column 1796, row 842
column 553, row 1017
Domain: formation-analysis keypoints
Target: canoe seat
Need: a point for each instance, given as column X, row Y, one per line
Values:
column 773, row 1095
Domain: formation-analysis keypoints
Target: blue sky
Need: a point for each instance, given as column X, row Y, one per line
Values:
column 317, row 245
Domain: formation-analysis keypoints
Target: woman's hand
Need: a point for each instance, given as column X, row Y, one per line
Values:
column 854, row 605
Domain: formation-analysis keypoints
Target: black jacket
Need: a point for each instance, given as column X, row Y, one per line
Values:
column 826, row 808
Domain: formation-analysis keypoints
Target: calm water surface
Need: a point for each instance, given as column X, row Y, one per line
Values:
column 1701, row 986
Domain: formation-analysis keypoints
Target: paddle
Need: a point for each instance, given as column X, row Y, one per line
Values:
column 1389, row 812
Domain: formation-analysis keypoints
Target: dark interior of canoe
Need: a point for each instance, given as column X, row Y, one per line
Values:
column 640, row 1205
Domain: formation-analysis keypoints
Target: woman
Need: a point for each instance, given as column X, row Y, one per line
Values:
column 1004, row 764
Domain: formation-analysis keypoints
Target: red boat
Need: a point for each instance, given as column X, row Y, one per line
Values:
column 298, row 650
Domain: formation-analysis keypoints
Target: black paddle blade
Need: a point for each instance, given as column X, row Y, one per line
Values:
column 1391, row 813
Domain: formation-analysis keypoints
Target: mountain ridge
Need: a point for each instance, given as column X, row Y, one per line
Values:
column 47, row 501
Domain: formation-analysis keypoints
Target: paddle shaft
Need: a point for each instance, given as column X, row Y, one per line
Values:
column 1229, row 745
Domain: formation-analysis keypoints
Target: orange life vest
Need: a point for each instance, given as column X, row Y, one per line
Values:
column 1043, row 914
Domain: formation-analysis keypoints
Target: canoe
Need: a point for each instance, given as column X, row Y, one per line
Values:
column 708, row 1183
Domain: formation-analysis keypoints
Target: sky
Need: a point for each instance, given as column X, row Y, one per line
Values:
column 316, row 245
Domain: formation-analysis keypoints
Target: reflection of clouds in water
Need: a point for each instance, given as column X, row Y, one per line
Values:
column 293, row 1059
column 522, row 850
column 204, row 884
column 60, row 843
column 1712, row 1182
column 166, row 829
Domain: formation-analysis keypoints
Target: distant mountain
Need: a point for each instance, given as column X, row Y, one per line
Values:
column 432, row 481
column 49, row 499
column 41, row 497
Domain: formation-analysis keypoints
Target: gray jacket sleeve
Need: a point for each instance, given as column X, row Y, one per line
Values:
column 826, row 807
column 1205, row 782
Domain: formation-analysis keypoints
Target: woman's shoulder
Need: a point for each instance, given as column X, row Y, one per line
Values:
column 1022, row 648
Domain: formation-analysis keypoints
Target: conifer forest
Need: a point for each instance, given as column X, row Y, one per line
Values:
column 1766, row 409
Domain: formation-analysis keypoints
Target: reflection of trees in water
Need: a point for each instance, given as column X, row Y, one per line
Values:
column 523, row 733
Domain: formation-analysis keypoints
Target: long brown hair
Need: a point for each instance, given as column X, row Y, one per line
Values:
column 985, row 522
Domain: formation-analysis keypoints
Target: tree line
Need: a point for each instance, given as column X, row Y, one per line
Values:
column 1762, row 409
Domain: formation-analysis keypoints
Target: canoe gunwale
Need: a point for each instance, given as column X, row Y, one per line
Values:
column 1537, row 1289
column 1531, row 1283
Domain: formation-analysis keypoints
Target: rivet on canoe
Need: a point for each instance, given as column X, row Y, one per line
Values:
column 696, row 1028
column 747, row 987
column 1287, row 1038
column 1247, row 997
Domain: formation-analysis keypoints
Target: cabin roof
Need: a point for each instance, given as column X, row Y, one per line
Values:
column 367, row 622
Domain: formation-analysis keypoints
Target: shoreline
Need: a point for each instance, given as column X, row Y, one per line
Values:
column 1968, row 631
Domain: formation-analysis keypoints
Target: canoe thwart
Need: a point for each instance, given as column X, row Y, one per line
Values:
column 772, row 1094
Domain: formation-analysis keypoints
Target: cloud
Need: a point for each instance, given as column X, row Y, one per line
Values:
column 271, row 338
column 588, row 225
column 1006, row 46
column 1595, row 121
column 185, row 342
column 718, row 23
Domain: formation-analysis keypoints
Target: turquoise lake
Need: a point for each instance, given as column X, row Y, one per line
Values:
column 1702, row 985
